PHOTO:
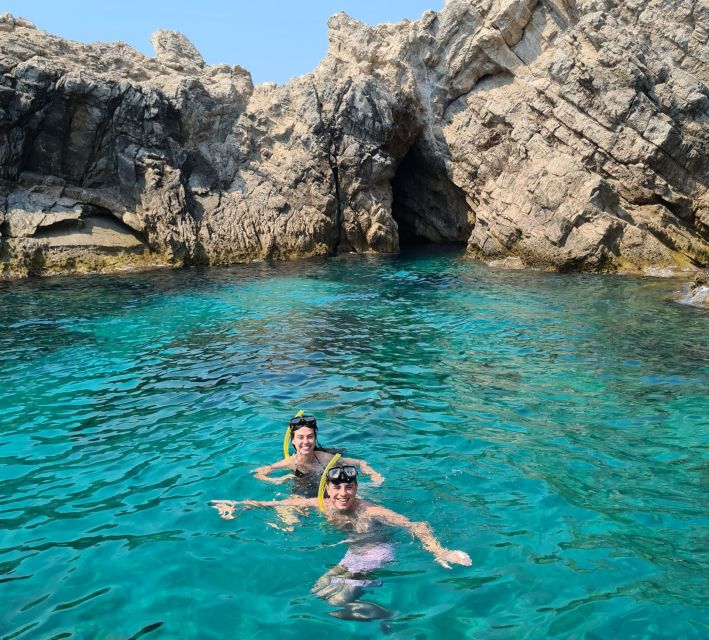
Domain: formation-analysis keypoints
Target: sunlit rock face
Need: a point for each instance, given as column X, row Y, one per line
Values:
column 561, row 134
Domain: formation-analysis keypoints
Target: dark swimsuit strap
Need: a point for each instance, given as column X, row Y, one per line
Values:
column 322, row 466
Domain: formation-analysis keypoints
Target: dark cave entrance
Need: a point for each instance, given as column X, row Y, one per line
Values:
column 427, row 207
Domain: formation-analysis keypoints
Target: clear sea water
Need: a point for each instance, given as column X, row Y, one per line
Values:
column 553, row 426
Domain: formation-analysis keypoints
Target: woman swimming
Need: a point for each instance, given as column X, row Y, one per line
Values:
column 309, row 460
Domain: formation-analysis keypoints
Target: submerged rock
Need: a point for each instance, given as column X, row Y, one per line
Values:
column 698, row 295
column 542, row 133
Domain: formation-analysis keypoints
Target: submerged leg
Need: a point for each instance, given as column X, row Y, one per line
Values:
column 338, row 587
column 343, row 585
column 362, row 610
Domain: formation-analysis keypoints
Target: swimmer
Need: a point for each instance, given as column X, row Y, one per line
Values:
column 368, row 547
column 307, row 464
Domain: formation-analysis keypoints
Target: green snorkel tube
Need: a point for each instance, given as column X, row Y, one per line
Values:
column 286, row 437
column 323, row 481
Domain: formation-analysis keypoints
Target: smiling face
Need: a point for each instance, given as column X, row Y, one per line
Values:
column 303, row 439
column 342, row 496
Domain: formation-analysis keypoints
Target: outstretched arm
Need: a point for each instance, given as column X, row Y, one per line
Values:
column 377, row 478
column 226, row 508
column 424, row 533
column 262, row 473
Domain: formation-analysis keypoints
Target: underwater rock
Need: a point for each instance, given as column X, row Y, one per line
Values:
column 558, row 134
column 698, row 295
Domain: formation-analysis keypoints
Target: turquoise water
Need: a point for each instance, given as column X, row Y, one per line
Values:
column 555, row 427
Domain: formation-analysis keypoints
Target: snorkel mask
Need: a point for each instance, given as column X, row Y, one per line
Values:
column 342, row 475
column 303, row 421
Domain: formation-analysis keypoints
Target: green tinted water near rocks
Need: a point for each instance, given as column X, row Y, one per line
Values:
column 555, row 427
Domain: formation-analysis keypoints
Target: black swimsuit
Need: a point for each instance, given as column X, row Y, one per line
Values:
column 307, row 484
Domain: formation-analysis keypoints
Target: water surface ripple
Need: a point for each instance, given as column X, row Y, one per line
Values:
column 553, row 426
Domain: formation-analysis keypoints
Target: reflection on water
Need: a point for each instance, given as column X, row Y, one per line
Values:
column 553, row 426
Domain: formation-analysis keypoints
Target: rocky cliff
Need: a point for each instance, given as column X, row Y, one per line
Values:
column 563, row 134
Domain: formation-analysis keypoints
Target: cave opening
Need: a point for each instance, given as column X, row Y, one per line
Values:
column 427, row 207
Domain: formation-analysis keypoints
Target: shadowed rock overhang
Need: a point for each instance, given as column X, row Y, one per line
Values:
column 426, row 206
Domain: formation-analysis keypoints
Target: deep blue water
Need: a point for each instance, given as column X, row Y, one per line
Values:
column 553, row 426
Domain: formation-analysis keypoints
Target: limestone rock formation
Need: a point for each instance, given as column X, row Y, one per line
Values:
column 698, row 294
column 561, row 134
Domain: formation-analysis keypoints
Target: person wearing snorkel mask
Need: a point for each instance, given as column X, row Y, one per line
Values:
column 307, row 464
column 369, row 548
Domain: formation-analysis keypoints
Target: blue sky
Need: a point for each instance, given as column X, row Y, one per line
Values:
column 274, row 40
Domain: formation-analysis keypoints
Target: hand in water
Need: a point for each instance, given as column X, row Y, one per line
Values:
column 283, row 479
column 447, row 557
column 225, row 508
column 377, row 479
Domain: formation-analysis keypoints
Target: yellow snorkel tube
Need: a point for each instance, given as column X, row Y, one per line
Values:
column 286, row 436
column 323, row 481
